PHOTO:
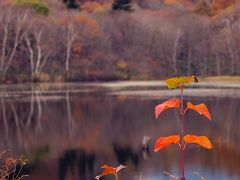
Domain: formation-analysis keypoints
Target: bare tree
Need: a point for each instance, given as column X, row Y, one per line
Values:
column 71, row 35
column 38, row 47
column 12, row 24
column 229, row 40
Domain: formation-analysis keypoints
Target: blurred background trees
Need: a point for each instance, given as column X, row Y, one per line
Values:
column 44, row 40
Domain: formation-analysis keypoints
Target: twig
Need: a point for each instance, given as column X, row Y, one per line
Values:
column 197, row 174
column 170, row 175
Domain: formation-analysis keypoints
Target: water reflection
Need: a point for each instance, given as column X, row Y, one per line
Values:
column 126, row 153
column 69, row 135
column 78, row 163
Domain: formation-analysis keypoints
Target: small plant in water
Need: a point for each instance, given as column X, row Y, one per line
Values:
column 181, row 139
column 110, row 170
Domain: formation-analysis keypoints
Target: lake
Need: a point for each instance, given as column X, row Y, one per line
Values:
column 68, row 131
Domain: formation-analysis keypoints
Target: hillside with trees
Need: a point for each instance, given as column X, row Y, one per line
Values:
column 87, row 40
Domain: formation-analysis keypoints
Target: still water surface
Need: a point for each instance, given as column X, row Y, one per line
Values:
column 68, row 131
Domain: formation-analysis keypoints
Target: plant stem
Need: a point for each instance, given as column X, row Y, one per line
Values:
column 182, row 132
column 116, row 176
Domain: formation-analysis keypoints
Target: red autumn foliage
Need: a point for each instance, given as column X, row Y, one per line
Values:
column 171, row 103
column 163, row 142
column 110, row 170
column 201, row 109
column 91, row 6
column 200, row 140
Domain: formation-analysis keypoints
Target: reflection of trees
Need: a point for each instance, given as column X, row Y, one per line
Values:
column 222, row 158
column 125, row 154
column 16, row 120
column 39, row 110
column 229, row 118
column 95, row 122
column 22, row 115
column 4, row 118
column 70, row 121
column 18, row 117
column 72, row 160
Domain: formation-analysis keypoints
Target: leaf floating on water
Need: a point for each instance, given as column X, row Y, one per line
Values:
column 200, row 140
column 201, row 109
column 173, row 83
column 171, row 103
column 163, row 142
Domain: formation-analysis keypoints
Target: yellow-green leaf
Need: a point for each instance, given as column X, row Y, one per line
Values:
column 173, row 83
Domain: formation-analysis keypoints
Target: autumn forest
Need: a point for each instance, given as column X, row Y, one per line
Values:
column 127, row 89
column 87, row 40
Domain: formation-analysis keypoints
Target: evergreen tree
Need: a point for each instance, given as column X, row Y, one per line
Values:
column 122, row 5
column 71, row 4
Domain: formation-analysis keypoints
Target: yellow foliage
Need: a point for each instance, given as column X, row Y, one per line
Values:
column 173, row 83
column 44, row 77
column 225, row 6
column 122, row 64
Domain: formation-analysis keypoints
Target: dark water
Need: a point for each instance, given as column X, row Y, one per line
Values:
column 69, row 134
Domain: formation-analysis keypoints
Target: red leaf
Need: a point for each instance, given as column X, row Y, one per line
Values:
column 109, row 170
column 201, row 109
column 200, row 140
column 163, row 142
column 171, row 103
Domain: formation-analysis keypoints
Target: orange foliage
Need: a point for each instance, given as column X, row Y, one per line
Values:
column 88, row 27
column 200, row 140
column 91, row 7
column 219, row 5
column 81, row 19
column 201, row 109
column 109, row 170
column 91, row 23
column 122, row 64
column 77, row 48
column 163, row 142
column 171, row 103
column 168, row 2
column 185, row 3
column 91, row 28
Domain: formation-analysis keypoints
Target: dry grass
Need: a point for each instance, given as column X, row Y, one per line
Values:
column 10, row 168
